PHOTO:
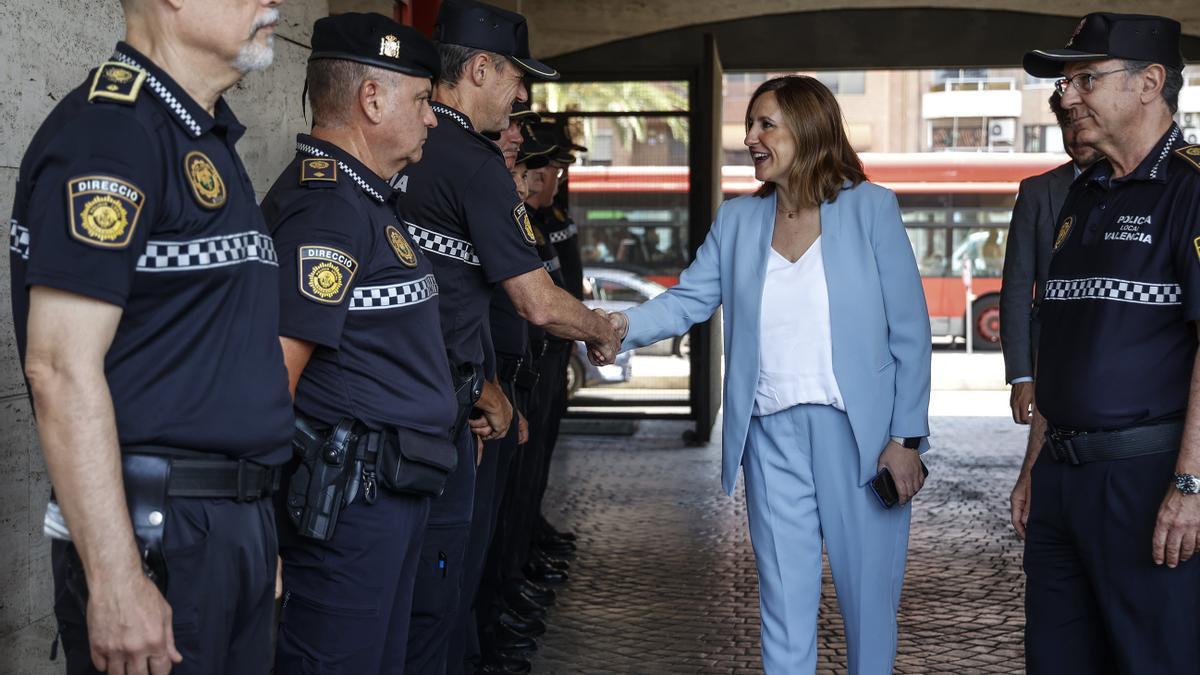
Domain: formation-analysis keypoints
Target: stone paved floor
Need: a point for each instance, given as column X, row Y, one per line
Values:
column 664, row 581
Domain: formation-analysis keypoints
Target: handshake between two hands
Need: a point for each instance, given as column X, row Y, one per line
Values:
column 603, row 351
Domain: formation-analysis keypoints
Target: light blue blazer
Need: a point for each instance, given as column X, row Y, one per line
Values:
column 879, row 321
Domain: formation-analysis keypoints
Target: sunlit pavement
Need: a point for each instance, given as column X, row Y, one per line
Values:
column 664, row 578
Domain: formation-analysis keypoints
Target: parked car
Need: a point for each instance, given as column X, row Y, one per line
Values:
column 615, row 290
column 581, row 372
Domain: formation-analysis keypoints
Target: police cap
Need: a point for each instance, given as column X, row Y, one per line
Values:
column 524, row 113
column 375, row 40
column 481, row 26
column 1103, row 35
column 535, row 155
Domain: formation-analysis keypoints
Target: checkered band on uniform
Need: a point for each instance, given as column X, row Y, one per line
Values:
column 161, row 91
column 198, row 254
column 18, row 239
column 442, row 244
column 367, row 298
column 552, row 265
column 441, row 110
column 1118, row 290
column 563, row 234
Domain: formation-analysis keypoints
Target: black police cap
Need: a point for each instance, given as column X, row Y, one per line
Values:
column 523, row 112
column 535, row 155
column 375, row 40
column 481, row 26
column 1103, row 35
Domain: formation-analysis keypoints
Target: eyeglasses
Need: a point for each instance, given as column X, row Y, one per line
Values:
column 1084, row 82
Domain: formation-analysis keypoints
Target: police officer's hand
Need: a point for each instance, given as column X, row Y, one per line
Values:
column 522, row 429
column 1177, row 532
column 1021, row 402
column 129, row 626
column 1018, row 502
column 905, row 467
column 497, row 413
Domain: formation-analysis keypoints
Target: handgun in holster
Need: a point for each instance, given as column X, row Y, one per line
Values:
column 468, row 387
column 326, row 477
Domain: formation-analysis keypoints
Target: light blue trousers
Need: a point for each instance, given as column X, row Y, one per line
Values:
column 801, row 469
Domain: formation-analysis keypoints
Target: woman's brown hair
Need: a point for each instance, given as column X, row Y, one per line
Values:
column 824, row 158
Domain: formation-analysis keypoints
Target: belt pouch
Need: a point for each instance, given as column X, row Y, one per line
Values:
column 316, row 490
column 411, row 462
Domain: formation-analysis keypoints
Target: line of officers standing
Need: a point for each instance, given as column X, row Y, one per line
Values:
column 215, row 382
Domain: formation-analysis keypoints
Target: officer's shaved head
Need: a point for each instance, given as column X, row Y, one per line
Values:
column 333, row 86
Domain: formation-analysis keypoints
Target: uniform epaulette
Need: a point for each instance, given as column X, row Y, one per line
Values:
column 317, row 173
column 1191, row 155
column 117, row 82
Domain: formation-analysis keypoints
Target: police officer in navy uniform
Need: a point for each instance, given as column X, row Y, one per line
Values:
column 1110, row 509
column 462, row 209
column 357, row 301
column 144, row 291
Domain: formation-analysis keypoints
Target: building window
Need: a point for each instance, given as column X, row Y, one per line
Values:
column 842, row 82
column 1043, row 138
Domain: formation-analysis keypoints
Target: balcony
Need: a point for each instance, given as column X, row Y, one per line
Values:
column 972, row 97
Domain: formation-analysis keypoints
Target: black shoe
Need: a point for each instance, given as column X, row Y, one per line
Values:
column 556, row 563
column 522, row 626
column 544, row 574
column 561, row 549
column 506, row 643
column 521, row 604
column 501, row 665
column 539, row 594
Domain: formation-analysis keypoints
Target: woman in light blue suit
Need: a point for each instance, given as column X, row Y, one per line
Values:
column 827, row 366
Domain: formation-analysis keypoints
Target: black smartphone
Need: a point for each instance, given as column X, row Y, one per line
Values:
column 884, row 487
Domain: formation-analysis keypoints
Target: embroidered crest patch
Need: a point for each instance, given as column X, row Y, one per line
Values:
column 1063, row 231
column 207, row 186
column 524, row 224
column 1196, row 243
column 104, row 210
column 400, row 245
column 1191, row 155
column 325, row 273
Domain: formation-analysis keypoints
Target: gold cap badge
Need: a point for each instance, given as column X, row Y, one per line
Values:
column 389, row 46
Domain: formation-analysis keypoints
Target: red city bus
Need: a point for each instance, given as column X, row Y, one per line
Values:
column 956, row 208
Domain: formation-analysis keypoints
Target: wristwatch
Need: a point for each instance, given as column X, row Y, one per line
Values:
column 912, row 443
column 1187, row 483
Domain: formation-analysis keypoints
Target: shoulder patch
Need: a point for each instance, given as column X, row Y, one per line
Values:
column 318, row 172
column 207, row 186
column 400, row 246
column 116, row 81
column 521, row 216
column 560, row 215
column 1191, row 155
column 325, row 273
column 104, row 210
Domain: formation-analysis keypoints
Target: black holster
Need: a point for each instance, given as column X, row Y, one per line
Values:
column 146, row 478
column 325, row 477
column 468, row 386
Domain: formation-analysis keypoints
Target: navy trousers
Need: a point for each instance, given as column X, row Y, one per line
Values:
column 1095, row 602
column 220, row 559
column 440, row 568
column 346, row 601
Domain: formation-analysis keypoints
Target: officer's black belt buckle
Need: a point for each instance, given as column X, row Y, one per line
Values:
column 1080, row 447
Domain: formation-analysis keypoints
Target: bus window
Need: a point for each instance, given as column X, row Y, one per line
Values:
column 929, row 245
column 983, row 248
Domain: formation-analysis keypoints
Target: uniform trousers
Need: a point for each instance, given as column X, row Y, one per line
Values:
column 556, row 408
column 801, row 471
column 490, row 480
column 346, row 601
column 1095, row 602
column 220, row 560
column 440, row 569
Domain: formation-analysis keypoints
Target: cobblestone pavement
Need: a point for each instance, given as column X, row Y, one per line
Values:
column 664, row 579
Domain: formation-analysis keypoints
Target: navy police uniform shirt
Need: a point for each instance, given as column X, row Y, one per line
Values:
column 1118, row 340
column 462, row 209
column 132, row 194
column 552, row 265
column 353, row 283
column 563, row 233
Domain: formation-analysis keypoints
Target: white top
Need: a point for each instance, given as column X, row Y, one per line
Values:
column 795, row 341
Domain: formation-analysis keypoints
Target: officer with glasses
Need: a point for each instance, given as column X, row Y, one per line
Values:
column 1113, row 518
